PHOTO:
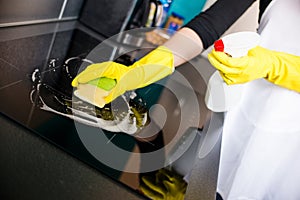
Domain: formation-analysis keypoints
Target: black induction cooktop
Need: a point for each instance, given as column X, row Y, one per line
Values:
column 33, row 67
column 37, row 65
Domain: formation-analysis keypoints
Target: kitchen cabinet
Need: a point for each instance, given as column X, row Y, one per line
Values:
column 20, row 12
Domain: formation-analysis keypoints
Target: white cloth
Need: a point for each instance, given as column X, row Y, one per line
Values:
column 260, row 152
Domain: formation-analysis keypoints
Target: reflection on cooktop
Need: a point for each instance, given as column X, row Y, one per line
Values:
column 127, row 113
column 36, row 91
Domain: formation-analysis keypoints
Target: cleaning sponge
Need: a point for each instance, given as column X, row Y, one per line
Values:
column 104, row 83
column 95, row 90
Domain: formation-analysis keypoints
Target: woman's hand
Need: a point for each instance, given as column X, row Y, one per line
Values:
column 279, row 68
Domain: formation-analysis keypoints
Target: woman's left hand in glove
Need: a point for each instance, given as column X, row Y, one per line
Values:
column 156, row 65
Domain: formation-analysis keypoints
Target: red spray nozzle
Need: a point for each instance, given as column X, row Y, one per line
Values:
column 219, row 45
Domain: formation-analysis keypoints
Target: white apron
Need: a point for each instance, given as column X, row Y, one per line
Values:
column 260, row 152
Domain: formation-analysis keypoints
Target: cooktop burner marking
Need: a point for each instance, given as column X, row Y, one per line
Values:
column 11, row 84
column 9, row 63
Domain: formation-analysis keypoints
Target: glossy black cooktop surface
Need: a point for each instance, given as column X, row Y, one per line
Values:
column 37, row 65
column 34, row 83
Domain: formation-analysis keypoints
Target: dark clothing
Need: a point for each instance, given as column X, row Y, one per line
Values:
column 214, row 21
column 262, row 6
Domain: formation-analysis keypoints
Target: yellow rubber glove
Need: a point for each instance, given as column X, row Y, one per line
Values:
column 166, row 185
column 156, row 65
column 279, row 68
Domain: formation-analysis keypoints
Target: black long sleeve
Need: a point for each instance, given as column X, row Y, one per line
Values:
column 214, row 21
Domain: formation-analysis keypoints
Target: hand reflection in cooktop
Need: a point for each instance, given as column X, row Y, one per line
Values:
column 126, row 114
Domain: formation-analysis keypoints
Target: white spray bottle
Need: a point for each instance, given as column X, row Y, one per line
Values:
column 221, row 97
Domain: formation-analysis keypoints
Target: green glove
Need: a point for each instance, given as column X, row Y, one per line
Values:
column 166, row 185
column 156, row 65
column 279, row 68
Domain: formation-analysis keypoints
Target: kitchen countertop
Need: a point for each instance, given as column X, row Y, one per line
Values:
column 33, row 167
